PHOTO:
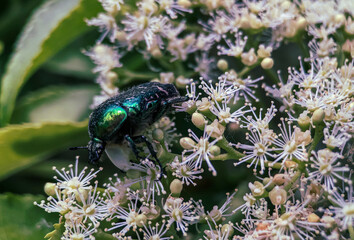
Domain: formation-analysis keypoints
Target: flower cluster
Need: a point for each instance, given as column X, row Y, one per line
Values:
column 296, row 134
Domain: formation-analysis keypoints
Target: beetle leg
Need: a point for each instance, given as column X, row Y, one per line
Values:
column 140, row 139
column 132, row 145
column 177, row 100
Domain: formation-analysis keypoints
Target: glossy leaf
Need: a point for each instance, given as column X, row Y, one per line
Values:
column 21, row 219
column 55, row 24
column 26, row 144
column 55, row 104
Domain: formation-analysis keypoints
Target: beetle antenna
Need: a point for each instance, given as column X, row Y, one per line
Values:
column 76, row 148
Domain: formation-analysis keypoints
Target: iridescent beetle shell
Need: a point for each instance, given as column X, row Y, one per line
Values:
column 129, row 113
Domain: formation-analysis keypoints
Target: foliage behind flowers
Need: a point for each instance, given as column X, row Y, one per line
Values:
column 294, row 128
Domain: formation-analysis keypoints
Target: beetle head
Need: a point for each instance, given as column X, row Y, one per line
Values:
column 95, row 149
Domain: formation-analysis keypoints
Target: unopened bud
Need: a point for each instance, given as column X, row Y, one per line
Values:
column 268, row 183
column 198, row 120
column 304, row 121
column 81, row 194
column 290, row 164
column 187, row 143
column 222, row 65
column 318, row 116
column 313, row 218
column 301, row 23
column 214, row 150
column 156, row 53
column 184, row 3
column 277, row 196
column 49, row 188
column 151, row 212
column 140, row 220
column 279, row 179
column 112, row 76
column 339, row 19
column 157, row 134
column 267, row 63
column 328, row 220
column 176, row 187
column 227, row 230
column 182, row 82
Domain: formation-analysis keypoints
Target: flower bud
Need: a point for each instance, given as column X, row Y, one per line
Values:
column 214, row 150
column 112, row 76
column 222, row 65
column 227, row 230
column 268, row 183
column 267, row 63
column 301, row 23
column 198, row 120
column 176, row 187
column 49, row 188
column 279, row 179
column 277, row 196
column 140, row 220
column 81, row 194
column 257, row 188
column 184, row 3
column 304, row 121
column 318, row 116
column 156, row 52
column 187, row 143
column 290, row 164
column 339, row 19
column 182, row 82
column 328, row 220
column 313, row 218
column 157, row 134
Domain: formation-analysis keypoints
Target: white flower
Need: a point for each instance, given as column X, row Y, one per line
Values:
column 72, row 181
column 105, row 57
column 144, row 27
column 180, row 212
column 221, row 92
column 151, row 183
column 172, row 8
column 107, row 24
column 61, row 203
column 258, row 152
column 200, row 151
column 187, row 172
column 287, row 144
column 344, row 208
column 91, row 207
column 235, row 48
column 78, row 231
column 327, row 168
column 156, row 231
column 223, row 112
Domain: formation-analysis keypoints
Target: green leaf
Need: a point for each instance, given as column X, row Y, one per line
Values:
column 54, row 25
column 55, row 104
column 26, row 144
column 21, row 219
column 57, row 233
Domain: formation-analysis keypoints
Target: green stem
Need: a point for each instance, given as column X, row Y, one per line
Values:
column 351, row 232
column 293, row 180
column 317, row 138
column 234, row 154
